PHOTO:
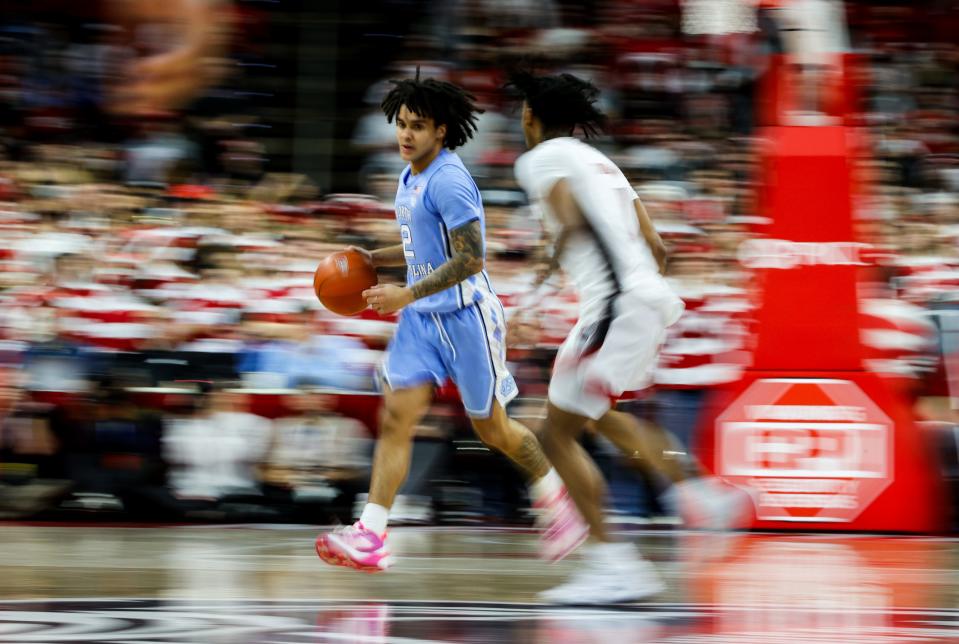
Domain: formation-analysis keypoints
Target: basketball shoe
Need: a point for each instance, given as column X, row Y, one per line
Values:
column 709, row 503
column 561, row 526
column 354, row 546
column 612, row 573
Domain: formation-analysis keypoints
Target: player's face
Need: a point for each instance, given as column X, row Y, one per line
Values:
column 419, row 138
column 530, row 127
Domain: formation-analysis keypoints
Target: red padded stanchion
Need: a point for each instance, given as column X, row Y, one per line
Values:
column 821, row 442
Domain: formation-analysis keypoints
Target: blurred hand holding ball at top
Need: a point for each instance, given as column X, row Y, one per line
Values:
column 180, row 47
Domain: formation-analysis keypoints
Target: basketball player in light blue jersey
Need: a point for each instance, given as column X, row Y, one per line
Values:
column 451, row 326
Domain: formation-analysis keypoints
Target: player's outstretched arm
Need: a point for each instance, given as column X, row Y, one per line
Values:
column 467, row 259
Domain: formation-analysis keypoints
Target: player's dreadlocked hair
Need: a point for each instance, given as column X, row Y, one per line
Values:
column 562, row 102
column 445, row 103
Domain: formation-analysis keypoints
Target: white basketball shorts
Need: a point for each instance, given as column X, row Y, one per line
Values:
column 592, row 370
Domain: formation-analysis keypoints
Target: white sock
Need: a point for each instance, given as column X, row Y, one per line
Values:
column 374, row 518
column 612, row 552
column 550, row 483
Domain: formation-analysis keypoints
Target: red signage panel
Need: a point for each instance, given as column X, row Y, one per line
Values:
column 816, row 450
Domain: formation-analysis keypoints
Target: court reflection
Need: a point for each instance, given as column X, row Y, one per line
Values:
column 244, row 585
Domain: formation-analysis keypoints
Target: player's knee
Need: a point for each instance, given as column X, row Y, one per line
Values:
column 562, row 425
column 395, row 424
column 558, row 435
column 493, row 434
column 551, row 441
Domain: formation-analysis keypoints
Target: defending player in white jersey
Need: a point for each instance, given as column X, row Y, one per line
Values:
column 608, row 247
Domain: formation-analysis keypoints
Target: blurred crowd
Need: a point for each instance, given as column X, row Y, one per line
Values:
column 163, row 356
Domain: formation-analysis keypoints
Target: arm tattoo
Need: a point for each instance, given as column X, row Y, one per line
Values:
column 467, row 259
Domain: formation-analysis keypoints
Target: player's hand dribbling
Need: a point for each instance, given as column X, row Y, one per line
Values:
column 387, row 298
column 364, row 252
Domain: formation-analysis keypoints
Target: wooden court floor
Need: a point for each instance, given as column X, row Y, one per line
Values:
column 263, row 584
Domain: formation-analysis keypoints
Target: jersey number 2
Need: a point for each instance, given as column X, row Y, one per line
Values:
column 407, row 236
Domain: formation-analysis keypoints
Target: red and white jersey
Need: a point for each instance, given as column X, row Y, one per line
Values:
column 613, row 256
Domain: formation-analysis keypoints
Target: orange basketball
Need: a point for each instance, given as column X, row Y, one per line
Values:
column 341, row 278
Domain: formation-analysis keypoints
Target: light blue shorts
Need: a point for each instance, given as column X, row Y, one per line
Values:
column 467, row 346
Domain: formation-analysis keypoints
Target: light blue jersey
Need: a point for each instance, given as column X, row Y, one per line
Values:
column 428, row 206
column 457, row 334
